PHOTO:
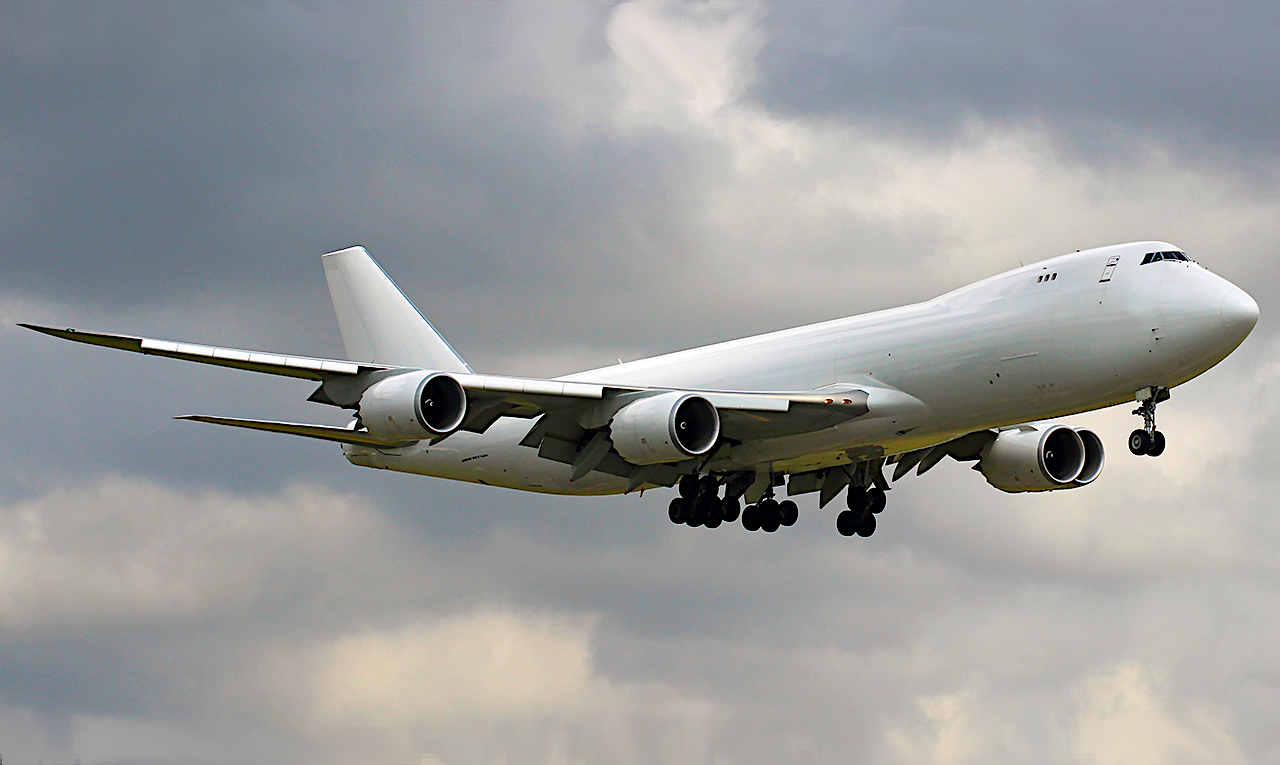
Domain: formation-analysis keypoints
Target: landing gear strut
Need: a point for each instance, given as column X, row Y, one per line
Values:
column 1147, row 440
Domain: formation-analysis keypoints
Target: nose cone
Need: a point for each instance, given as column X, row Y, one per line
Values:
column 1239, row 313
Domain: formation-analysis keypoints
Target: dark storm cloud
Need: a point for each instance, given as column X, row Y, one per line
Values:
column 1200, row 76
column 277, row 134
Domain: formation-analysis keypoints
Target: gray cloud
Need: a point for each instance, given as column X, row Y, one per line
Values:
column 1099, row 77
column 230, row 597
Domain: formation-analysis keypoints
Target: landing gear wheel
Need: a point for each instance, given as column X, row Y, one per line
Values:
column 868, row 526
column 709, row 485
column 857, row 500
column 1157, row 445
column 1140, row 442
column 704, row 507
column 788, row 512
column 751, row 518
column 770, row 516
column 876, row 500
column 847, row 523
column 730, row 510
column 689, row 486
column 678, row 510
column 714, row 521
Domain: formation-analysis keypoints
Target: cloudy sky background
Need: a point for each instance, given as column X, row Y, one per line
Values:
column 558, row 184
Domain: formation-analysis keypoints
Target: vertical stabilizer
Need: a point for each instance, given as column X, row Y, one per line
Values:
column 378, row 323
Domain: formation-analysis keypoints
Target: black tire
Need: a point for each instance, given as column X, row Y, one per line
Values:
column 751, row 518
column 715, row 510
column 1139, row 442
column 708, row 486
column 868, row 526
column 1157, row 445
column 689, row 486
column 857, row 499
column 704, row 507
column 730, row 510
column 678, row 510
column 876, row 500
column 714, row 521
column 770, row 517
column 847, row 523
column 788, row 512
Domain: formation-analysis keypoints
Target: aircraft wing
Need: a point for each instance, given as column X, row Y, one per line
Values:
column 527, row 397
column 745, row 415
column 303, row 367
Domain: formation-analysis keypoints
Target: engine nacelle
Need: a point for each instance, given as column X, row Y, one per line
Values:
column 414, row 405
column 1094, row 457
column 668, row 427
column 1042, row 458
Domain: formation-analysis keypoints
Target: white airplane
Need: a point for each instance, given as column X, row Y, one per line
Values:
column 977, row 374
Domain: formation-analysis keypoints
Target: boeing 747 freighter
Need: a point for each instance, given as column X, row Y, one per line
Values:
column 980, row 374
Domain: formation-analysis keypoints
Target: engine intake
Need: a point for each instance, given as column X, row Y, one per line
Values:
column 668, row 427
column 1042, row 458
column 414, row 405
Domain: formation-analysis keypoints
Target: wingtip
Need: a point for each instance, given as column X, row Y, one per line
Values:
column 55, row 331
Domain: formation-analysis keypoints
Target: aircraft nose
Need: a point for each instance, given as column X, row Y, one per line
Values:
column 1239, row 312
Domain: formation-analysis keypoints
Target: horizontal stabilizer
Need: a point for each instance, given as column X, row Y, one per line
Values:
column 322, row 432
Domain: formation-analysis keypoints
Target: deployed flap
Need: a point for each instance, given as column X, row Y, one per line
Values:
column 378, row 323
column 322, row 432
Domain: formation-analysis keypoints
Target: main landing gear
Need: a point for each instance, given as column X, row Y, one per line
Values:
column 864, row 505
column 700, row 504
column 769, row 515
column 1147, row 440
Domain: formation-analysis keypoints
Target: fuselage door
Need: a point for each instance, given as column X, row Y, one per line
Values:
column 1109, row 268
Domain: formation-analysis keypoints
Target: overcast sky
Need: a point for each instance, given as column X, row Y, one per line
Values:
column 558, row 184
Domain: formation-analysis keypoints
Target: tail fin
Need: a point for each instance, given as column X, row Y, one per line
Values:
column 378, row 323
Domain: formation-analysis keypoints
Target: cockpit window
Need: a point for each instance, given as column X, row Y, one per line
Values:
column 1152, row 257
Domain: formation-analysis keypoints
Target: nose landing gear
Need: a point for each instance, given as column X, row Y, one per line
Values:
column 1147, row 440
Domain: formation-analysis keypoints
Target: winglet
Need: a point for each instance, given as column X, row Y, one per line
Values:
column 122, row 342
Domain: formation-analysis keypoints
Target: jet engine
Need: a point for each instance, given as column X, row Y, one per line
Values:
column 1042, row 458
column 414, row 405
column 668, row 427
column 1094, row 457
